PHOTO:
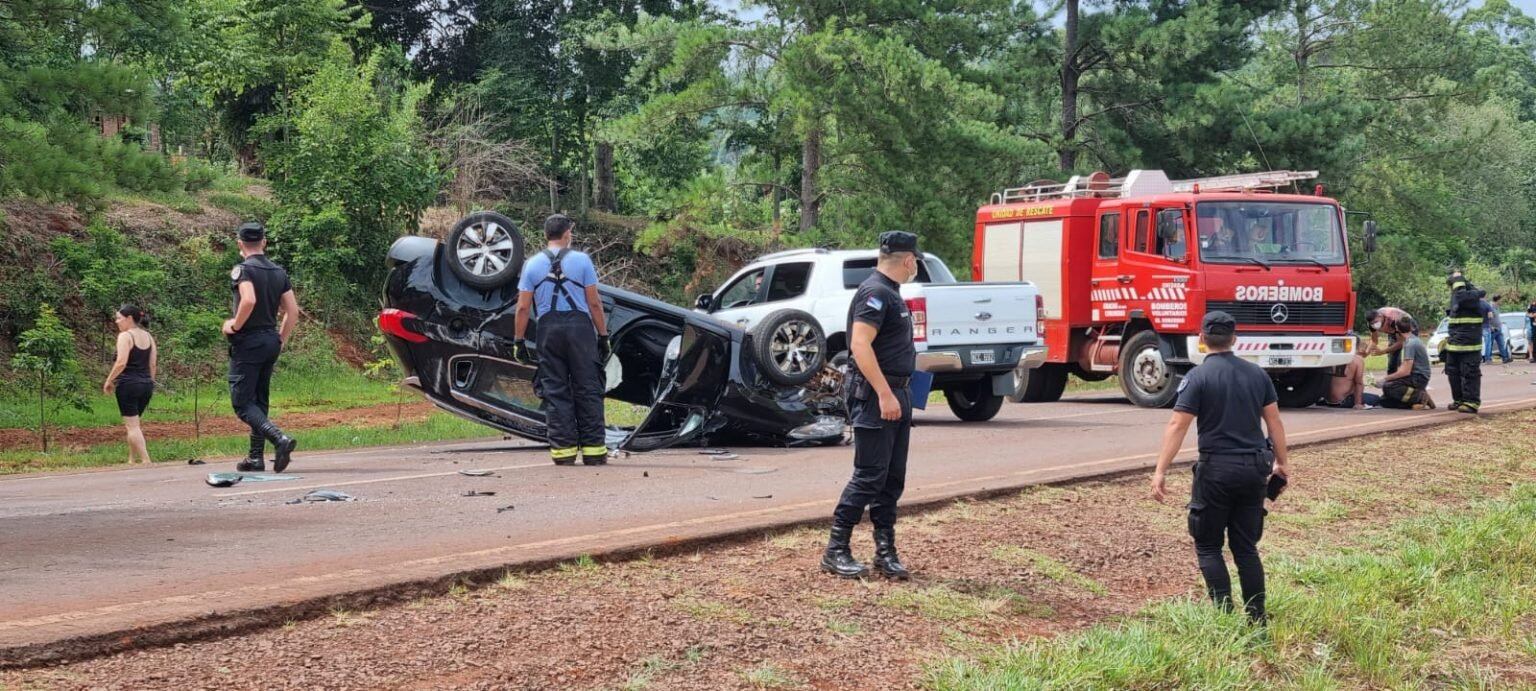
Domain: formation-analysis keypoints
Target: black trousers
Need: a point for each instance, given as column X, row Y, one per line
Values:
column 570, row 381
column 252, row 356
column 879, row 462
column 1402, row 393
column 1465, row 370
column 1227, row 504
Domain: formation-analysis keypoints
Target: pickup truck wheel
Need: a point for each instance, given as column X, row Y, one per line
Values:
column 1145, row 377
column 974, row 403
column 485, row 250
column 789, row 346
column 1042, row 384
column 1300, row 389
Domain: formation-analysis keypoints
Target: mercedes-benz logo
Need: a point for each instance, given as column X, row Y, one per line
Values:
column 1279, row 313
column 983, row 316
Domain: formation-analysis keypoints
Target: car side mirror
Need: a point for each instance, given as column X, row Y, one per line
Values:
column 706, row 302
column 1369, row 242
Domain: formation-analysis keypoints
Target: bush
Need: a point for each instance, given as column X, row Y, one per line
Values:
column 197, row 175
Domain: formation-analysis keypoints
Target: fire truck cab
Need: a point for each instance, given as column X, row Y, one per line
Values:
column 1127, row 267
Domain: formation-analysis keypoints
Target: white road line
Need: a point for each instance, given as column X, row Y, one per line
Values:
column 350, row 483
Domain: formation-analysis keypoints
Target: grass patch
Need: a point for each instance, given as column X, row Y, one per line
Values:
column 711, row 610
column 583, row 567
column 843, row 627
column 943, row 603
column 437, row 427
column 1046, row 566
column 1432, row 603
column 769, row 676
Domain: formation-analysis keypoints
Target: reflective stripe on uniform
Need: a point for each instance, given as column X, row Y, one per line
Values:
column 563, row 453
column 1466, row 320
column 1408, row 395
column 1457, row 348
column 590, row 451
column 1470, row 404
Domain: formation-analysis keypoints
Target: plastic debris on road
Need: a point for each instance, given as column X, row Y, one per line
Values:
column 724, row 457
column 232, row 479
column 476, row 473
column 826, row 427
column 477, row 493
column 505, row 509
column 328, row 495
column 712, row 452
column 196, row 461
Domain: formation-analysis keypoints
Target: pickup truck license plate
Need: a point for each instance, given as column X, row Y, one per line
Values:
column 983, row 357
column 1277, row 362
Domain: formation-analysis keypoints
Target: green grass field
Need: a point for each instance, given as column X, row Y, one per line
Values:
column 1418, row 609
column 293, row 390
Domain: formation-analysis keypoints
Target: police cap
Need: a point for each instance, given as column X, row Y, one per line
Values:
column 252, row 232
column 1218, row 323
column 898, row 241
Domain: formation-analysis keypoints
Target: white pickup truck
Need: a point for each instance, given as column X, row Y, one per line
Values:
column 971, row 336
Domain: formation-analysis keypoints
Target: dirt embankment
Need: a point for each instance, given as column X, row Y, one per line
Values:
column 758, row 614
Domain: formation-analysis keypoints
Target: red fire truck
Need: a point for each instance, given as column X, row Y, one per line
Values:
column 1127, row 267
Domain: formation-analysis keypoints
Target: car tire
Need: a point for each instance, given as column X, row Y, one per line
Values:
column 789, row 346
column 1302, row 390
column 1145, row 375
column 974, row 403
column 1043, row 384
column 485, row 250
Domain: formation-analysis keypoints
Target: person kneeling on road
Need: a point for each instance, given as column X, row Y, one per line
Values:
column 1229, row 397
column 1405, row 387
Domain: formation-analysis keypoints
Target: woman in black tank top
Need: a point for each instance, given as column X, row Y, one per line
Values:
column 133, row 375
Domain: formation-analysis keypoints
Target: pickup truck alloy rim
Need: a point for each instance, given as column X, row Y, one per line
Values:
column 794, row 347
column 1150, row 372
column 485, row 248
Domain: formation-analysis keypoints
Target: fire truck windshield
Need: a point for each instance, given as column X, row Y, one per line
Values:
column 1242, row 232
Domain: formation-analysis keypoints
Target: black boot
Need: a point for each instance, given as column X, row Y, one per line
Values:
column 886, row 561
column 838, row 559
column 284, row 444
column 251, row 464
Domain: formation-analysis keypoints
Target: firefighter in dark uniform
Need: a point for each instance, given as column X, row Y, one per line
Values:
column 256, row 337
column 558, row 290
column 1464, row 344
column 1229, row 397
column 880, row 409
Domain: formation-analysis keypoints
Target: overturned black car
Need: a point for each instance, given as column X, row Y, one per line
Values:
column 448, row 310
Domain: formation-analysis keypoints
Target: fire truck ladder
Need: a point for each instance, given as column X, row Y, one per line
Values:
column 1146, row 182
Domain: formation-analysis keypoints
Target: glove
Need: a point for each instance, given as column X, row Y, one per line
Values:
column 520, row 352
column 604, row 348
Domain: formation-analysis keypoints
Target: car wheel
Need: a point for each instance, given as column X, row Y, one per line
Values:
column 789, row 346
column 974, row 403
column 485, row 250
column 1145, row 376
column 1042, row 384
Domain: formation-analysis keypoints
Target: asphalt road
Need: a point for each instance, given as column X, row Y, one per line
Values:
column 89, row 554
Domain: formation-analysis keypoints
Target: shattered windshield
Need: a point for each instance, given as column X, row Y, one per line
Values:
column 1248, row 232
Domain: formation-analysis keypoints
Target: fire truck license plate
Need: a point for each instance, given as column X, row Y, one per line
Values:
column 1277, row 362
column 983, row 357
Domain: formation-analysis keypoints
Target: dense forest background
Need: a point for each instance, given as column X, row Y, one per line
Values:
column 689, row 136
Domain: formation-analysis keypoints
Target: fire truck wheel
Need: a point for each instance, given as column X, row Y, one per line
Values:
column 1043, row 384
column 1145, row 377
column 1300, row 389
column 975, row 402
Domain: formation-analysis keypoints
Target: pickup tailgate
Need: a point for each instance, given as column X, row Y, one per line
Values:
column 970, row 314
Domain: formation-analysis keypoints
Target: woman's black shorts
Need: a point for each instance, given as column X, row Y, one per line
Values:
column 133, row 397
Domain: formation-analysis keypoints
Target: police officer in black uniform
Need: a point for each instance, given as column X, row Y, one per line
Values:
column 880, row 409
column 1229, row 397
column 1464, row 344
column 261, row 290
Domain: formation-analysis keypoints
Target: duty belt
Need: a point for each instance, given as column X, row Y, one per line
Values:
column 1205, row 457
column 898, row 382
